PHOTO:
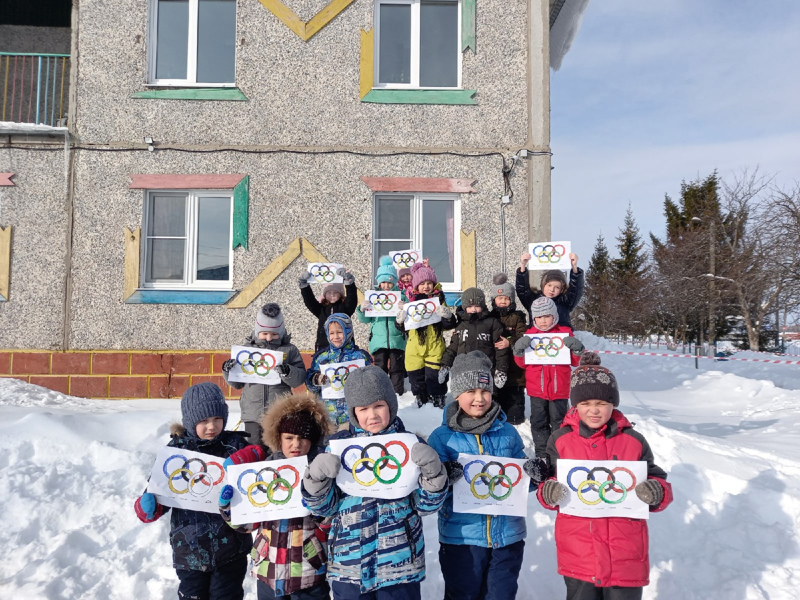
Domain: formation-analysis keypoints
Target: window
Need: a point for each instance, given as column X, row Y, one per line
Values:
column 418, row 44
column 192, row 42
column 187, row 240
column 427, row 221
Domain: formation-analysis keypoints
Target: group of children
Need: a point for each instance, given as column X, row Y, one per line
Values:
column 370, row 548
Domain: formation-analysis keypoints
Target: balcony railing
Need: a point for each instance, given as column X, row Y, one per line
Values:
column 35, row 88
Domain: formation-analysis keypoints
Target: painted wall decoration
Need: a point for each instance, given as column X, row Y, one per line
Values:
column 421, row 313
column 602, row 488
column 267, row 490
column 337, row 375
column 187, row 479
column 547, row 349
column 492, row 485
column 5, row 179
column 549, row 255
column 5, row 262
column 305, row 30
column 255, row 365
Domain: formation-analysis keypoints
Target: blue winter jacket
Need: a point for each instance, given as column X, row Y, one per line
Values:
column 375, row 543
column 485, row 531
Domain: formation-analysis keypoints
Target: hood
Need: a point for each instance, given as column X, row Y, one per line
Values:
column 347, row 327
column 292, row 403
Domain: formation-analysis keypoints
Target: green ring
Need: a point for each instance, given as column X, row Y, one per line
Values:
column 271, row 488
column 375, row 469
column 493, row 484
column 609, row 483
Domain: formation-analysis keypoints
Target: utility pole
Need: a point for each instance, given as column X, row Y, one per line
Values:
column 712, row 283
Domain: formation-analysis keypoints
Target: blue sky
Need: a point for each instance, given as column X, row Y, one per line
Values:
column 653, row 93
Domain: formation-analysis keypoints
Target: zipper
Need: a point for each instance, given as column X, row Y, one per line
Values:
column 412, row 548
column 488, row 517
column 555, row 382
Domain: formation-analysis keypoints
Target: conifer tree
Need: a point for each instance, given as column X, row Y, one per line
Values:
column 598, row 288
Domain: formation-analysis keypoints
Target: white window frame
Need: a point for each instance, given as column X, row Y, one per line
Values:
column 415, row 24
column 191, row 59
column 417, row 199
column 190, row 281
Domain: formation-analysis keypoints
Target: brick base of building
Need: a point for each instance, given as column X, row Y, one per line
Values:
column 119, row 374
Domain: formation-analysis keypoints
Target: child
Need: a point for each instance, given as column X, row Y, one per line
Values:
column 210, row 560
column 605, row 558
column 269, row 333
column 336, row 298
column 477, row 330
column 553, row 285
column 386, row 344
column 425, row 345
column 376, row 549
column 479, row 554
column 547, row 385
column 289, row 555
column 341, row 348
column 405, row 281
column 511, row 396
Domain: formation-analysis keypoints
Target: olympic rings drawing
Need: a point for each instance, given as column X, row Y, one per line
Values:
column 384, row 300
column 548, row 253
column 405, row 260
column 338, row 376
column 251, row 365
column 192, row 478
column 592, row 483
column 420, row 312
column 546, row 346
column 260, row 485
column 385, row 461
column 490, row 480
column 322, row 273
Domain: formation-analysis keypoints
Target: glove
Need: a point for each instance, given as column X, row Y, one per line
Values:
column 347, row 277
column 444, row 311
column 318, row 379
column 320, row 474
column 553, row 492
column 302, row 280
column 443, row 371
column 148, row 504
column 248, row 454
column 433, row 475
column 401, row 314
column 366, row 305
column 225, row 496
column 574, row 344
column 536, row 469
column 500, row 379
column 228, row 365
column 455, row 470
column 282, row 369
column 650, row 492
column 521, row 345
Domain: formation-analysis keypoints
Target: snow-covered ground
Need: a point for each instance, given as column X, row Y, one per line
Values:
column 727, row 433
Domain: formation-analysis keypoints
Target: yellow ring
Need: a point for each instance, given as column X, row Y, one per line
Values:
column 178, row 472
column 250, row 489
column 472, row 487
column 358, row 462
column 580, row 494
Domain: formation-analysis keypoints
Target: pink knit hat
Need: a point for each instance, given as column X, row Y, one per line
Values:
column 420, row 273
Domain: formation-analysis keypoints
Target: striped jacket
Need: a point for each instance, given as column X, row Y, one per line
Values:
column 375, row 543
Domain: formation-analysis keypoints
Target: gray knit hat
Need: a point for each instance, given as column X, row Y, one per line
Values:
column 471, row 371
column 200, row 402
column 473, row 297
column 544, row 306
column 590, row 381
column 501, row 287
column 270, row 318
column 366, row 386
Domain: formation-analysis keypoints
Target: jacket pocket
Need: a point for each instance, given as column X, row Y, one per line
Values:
column 313, row 552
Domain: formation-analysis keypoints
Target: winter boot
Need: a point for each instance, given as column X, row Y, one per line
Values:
column 422, row 399
column 438, row 401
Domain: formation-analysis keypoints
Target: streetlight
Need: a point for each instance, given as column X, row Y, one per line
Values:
column 712, row 284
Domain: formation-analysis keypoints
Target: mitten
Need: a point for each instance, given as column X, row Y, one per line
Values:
column 318, row 379
column 228, row 365
column 148, row 504
column 444, row 311
column 302, row 280
column 366, row 305
column 455, row 470
column 401, row 314
column 553, row 492
column 248, row 454
column 650, row 492
column 500, row 379
column 521, row 345
column 433, row 475
column 443, row 371
column 282, row 369
column 320, row 474
column 536, row 469
column 225, row 496
column 574, row 344
column 347, row 277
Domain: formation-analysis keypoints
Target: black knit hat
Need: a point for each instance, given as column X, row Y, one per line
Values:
column 590, row 381
column 301, row 423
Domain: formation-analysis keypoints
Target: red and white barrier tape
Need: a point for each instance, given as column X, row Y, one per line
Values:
column 762, row 360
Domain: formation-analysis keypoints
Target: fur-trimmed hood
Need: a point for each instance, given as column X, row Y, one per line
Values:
column 176, row 430
column 292, row 403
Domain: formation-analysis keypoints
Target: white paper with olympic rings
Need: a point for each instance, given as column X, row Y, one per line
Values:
column 549, row 255
column 421, row 313
column 602, row 488
column 267, row 491
column 324, row 273
column 405, row 259
column 492, row 485
column 186, row 479
column 384, row 303
column 337, row 375
column 377, row 466
column 547, row 349
column 255, row 365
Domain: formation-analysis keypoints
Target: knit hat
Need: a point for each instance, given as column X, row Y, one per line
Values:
column 420, row 273
column 471, row 371
column 347, row 327
column 403, row 271
column 544, row 306
column 301, row 423
column 590, row 381
column 501, row 287
column 332, row 287
column 386, row 271
column 554, row 275
column 270, row 318
column 200, row 402
column 366, row 386
column 473, row 297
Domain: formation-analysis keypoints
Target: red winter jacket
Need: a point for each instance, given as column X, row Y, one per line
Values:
column 610, row 550
column 550, row 382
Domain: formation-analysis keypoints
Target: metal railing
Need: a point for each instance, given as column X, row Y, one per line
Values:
column 35, row 88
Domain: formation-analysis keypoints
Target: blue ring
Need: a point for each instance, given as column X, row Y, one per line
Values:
column 239, row 481
column 361, row 468
column 467, row 466
column 569, row 476
column 169, row 459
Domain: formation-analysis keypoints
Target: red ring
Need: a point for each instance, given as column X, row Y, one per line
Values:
column 519, row 469
column 296, row 474
column 408, row 454
column 629, row 472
